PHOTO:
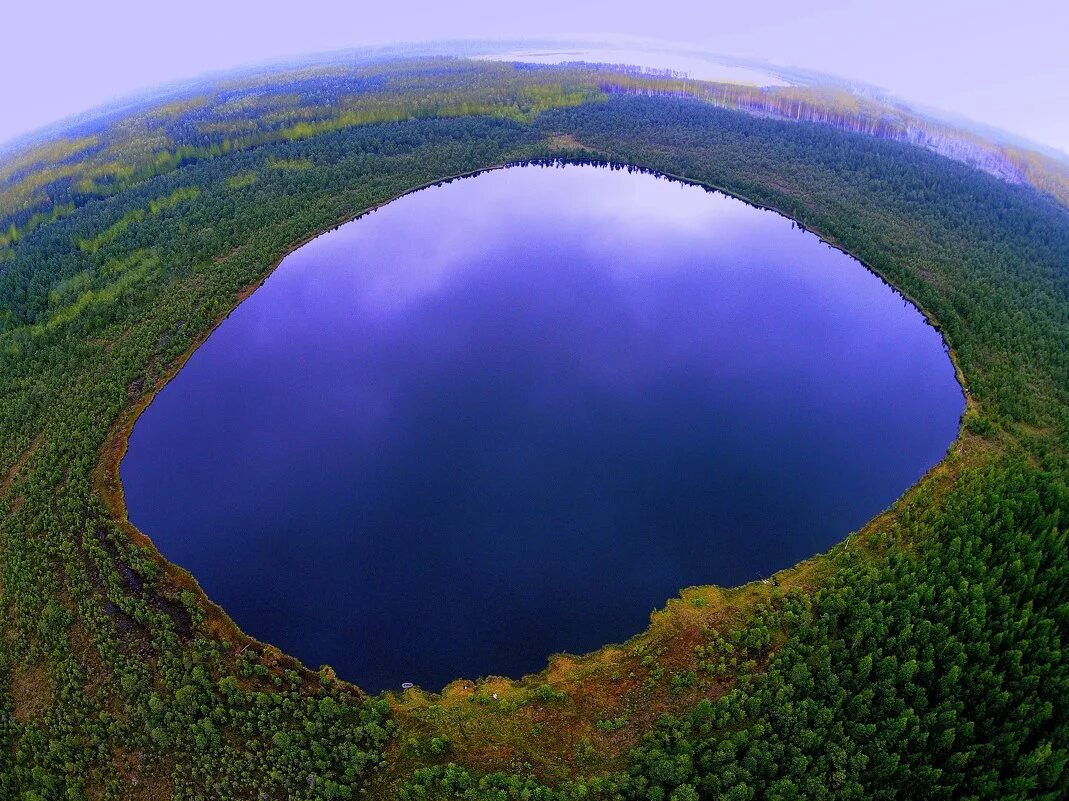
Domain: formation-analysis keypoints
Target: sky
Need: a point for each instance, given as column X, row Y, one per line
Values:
column 1000, row 63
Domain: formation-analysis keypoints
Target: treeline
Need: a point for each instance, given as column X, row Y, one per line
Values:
column 850, row 112
column 119, row 151
column 101, row 159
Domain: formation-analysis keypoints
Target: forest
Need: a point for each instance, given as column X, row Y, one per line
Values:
column 923, row 657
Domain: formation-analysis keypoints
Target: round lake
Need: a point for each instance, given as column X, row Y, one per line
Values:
column 508, row 416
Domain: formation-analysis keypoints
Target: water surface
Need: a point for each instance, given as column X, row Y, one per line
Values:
column 693, row 65
column 510, row 415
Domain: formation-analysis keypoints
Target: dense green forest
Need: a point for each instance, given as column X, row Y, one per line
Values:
column 924, row 657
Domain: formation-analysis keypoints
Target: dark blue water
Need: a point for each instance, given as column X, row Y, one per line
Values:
column 511, row 415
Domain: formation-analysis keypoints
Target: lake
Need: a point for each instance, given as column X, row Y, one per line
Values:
column 510, row 415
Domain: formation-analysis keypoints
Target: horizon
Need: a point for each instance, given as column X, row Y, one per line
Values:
column 1025, row 93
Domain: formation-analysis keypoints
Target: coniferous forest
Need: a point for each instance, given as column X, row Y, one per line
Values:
column 923, row 657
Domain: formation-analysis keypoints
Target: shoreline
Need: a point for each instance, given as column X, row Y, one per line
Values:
column 107, row 484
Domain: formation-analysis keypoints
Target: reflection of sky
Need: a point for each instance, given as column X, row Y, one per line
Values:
column 694, row 67
column 613, row 218
column 507, row 416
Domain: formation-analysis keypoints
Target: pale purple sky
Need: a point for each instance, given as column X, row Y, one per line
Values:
column 1005, row 64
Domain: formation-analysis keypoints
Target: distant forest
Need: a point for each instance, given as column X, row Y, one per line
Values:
column 924, row 657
